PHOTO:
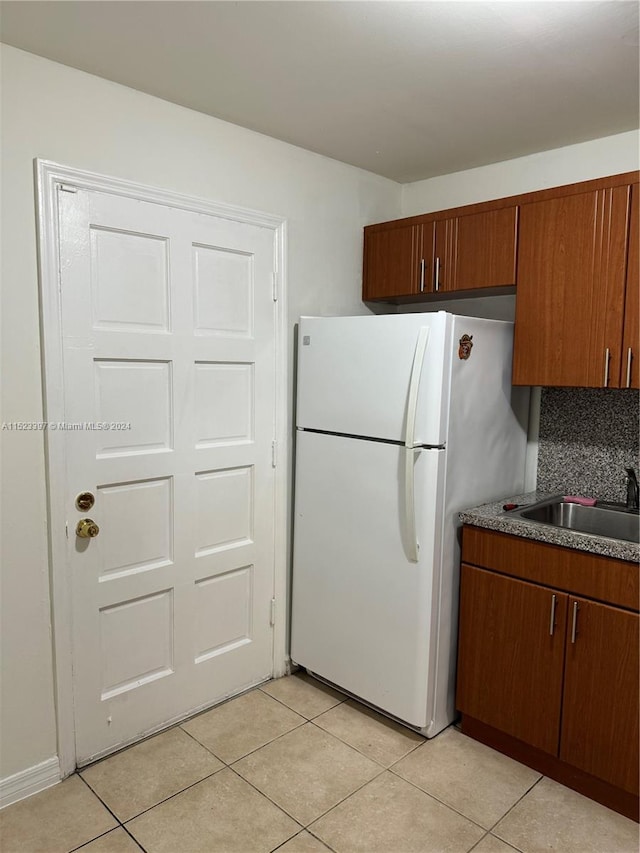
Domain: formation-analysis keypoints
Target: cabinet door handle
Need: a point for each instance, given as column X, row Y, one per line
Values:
column 606, row 367
column 436, row 275
column 629, row 360
column 574, row 626
column 422, row 275
column 552, row 623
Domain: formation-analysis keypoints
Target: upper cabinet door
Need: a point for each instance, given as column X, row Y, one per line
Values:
column 477, row 250
column 392, row 262
column 630, row 372
column 571, row 282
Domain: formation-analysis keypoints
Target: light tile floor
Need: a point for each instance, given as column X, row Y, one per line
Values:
column 294, row 766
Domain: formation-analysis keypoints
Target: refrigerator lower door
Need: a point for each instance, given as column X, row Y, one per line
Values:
column 364, row 613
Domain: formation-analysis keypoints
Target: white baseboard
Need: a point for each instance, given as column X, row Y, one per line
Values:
column 29, row 781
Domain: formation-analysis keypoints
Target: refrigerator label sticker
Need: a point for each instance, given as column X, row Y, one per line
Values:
column 306, row 340
column 465, row 345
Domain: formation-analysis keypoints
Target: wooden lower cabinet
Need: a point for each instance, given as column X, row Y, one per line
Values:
column 600, row 705
column 511, row 652
column 547, row 676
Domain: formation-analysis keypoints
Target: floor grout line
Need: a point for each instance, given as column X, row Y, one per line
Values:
column 471, row 849
column 134, row 839
column 273, row 803
column 308, row 719
column 322, row 814
column 95, row 838
column 124, row 823
column 509, row 810
column 359, row 751
column 97, row 796
column 438, row 800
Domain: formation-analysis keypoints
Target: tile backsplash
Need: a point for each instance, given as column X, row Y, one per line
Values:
column 587, row 438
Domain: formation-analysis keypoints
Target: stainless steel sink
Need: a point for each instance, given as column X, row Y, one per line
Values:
column 610, row 520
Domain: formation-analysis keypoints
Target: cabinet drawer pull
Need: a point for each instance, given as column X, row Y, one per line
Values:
column 606, row 367
column 574, row 626
column 436, row 275
column 629, row 360
column 552, row 623
column 422, row 275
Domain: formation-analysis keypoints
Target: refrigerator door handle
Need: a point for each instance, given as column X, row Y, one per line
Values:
column 414, row 386
column 410, row 503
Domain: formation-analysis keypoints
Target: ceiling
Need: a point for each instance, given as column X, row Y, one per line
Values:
column 407, row 90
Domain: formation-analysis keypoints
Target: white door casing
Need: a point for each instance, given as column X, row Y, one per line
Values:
column 168, row 324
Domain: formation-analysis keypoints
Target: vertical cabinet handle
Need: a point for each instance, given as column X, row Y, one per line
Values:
column 552, row 622
column 574, row 626
column 422, row 275
column 436, row 275
column 607, row 356
column 629, row 360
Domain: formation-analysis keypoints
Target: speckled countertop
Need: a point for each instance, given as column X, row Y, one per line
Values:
column 493, row 517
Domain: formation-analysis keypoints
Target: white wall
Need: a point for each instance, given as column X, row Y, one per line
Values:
column 611, row 155
column 57, row 113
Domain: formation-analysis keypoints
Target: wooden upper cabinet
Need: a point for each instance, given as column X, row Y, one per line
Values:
column 391, row 262
column 463, row 252
column 601, row 674
column 630, row 367
column 511, row 656
column 398, row 261
column 476, row 250
column 572, row 258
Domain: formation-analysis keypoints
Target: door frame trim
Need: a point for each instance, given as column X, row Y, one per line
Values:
column 48, row 177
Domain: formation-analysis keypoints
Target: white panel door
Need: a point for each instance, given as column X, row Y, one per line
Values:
column 169, row 389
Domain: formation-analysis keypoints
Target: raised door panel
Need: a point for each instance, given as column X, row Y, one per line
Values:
column 571, row 279
column 486, row 252
column 600, row 711
column 510, row 656
column 630, row 373
column 392, row 262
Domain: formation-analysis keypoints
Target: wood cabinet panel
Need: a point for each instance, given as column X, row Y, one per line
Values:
column 486, row 249
column 458, row 253
column 600, row 709
column 510, row 683
column 398, row 262
column 604, row 578
column 511, row 650
column 571, row 283
column 391, row 262
column 630, row 368
column 476, row 251
column 445, row 254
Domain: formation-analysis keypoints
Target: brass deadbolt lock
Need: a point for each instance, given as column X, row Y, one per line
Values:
column 85, row 500
column 86, row 528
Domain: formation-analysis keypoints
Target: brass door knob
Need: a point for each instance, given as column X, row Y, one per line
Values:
column 86, row 528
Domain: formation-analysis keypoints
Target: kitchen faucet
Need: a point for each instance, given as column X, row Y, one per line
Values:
column 632, row 489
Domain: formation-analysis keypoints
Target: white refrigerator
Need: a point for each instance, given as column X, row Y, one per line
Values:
column 402, row 420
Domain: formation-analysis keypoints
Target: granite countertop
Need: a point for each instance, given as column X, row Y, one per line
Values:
column 492, row 517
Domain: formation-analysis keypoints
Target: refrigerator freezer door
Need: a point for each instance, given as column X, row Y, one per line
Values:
column 354, row 375
column 364, row 615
